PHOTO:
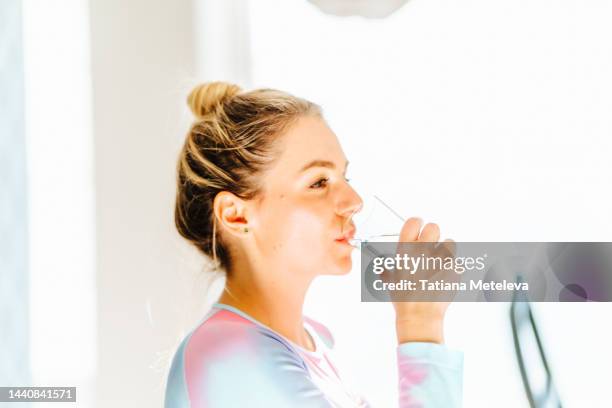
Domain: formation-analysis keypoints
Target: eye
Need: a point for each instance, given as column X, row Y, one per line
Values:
column 320, row 183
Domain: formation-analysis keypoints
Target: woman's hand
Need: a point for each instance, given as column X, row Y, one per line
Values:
column 420, row 321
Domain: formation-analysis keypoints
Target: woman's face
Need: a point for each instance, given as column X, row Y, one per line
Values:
column 302, row 219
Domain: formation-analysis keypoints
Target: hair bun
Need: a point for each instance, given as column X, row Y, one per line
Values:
column 206, row 97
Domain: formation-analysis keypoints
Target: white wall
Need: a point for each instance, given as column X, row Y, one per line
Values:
column 143, row 66
column 489, row 118
column 60, row 190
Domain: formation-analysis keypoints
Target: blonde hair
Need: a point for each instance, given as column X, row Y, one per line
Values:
column 228, row 146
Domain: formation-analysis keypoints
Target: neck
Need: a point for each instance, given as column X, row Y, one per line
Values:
column 272, row 296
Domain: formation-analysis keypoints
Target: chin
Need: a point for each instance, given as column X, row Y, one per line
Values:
column 341, row 266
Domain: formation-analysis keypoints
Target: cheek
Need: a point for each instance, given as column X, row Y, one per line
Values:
column 288, row 227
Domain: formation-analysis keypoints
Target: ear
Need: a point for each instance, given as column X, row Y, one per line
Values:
column 230, row 212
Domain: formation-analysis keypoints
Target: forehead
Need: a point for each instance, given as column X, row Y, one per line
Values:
column 309, row 139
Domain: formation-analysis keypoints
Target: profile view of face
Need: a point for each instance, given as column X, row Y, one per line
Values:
column 302, row 217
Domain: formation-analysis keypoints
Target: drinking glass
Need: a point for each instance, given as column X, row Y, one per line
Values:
column 375, row 221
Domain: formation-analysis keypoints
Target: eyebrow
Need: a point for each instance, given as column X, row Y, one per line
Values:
column 322, row 163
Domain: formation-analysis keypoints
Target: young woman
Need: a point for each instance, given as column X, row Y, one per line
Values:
column 262, row 191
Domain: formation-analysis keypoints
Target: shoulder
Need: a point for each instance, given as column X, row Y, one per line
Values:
column 228, row 354
column 225, row 334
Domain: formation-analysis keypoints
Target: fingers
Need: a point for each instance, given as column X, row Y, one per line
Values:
column 410, row 230
column 449, row 247
column 412, row 227
column 430, row 233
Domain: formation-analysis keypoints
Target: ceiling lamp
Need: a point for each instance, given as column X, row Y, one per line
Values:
column 363, row 8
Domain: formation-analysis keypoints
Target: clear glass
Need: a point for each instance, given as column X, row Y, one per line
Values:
column 375, row 221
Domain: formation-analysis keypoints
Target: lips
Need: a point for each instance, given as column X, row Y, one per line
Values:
column 347, row 236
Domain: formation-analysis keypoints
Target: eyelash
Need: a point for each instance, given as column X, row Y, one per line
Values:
column 326, row 179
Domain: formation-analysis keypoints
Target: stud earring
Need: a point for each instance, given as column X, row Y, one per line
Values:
column 246, row 229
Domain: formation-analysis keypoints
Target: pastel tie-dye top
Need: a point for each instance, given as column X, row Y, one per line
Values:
column 232, row 360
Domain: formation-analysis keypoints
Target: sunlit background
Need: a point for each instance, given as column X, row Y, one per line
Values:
column 490, row 118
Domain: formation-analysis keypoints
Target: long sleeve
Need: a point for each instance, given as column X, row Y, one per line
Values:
column 430, row 376
column 232, row 361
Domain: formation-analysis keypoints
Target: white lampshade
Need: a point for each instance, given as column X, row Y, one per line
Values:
column 364, row 8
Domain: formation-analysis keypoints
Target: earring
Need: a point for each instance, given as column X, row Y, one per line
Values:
column 246, row 229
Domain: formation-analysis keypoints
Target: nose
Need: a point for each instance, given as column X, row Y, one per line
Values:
column 349, row 203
